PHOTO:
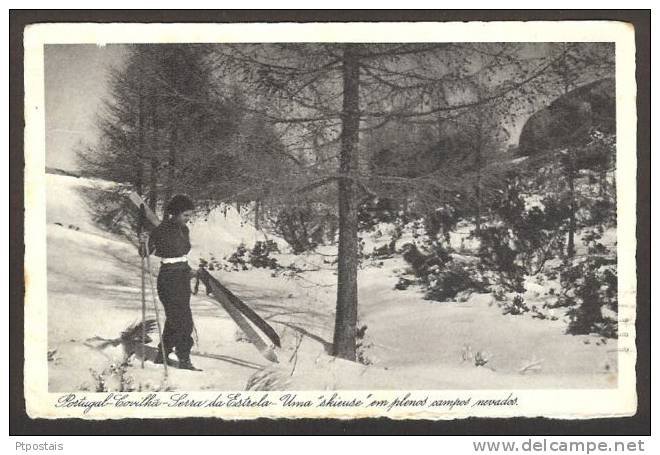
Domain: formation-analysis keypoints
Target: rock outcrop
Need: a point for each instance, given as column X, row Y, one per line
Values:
column 569, row 119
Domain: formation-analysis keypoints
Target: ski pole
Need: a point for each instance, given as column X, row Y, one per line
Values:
column 142, row 251
column 163, row 351
column 144, row 310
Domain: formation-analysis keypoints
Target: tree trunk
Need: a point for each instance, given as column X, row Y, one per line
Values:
column 139, row 179
column 171, row 167
column 570, row 249
column 477, row 220
column 139, row 187
column 347, row 301
column 139, row 184
column 153, row 184
column 153, row 174
column 478, row 160
column 477, row 189
column 257, row 224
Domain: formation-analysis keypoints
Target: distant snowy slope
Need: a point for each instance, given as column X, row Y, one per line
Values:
column 222, row 231
column 218, row 233
column 65, row 202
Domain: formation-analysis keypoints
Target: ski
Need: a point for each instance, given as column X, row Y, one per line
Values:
column 238, row 316
column 149, row 216
column 221, row 292
column 240, row 313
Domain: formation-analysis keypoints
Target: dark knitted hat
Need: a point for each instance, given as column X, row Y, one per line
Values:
column 179, row 204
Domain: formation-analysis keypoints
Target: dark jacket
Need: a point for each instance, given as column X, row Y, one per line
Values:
column 169, row 240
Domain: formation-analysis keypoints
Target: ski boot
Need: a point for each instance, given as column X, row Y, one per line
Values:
column 158, row 360
column 186, row 364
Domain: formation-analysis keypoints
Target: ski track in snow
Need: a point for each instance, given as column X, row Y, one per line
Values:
column 94, row 290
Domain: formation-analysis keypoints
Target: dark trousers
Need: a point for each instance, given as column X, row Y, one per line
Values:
column 174, row 293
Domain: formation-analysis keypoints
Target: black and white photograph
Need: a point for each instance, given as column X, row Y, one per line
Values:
column 331, row 225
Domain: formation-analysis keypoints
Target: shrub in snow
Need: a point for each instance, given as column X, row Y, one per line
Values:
column 442, row 277
column 498, row 292
column 303, row 227
column 589, row 289
column 290, row 271
column 446, row 282
column 238, row 258
column 362, row 344
column 498, row 253
column 463, row 296
column 112, row 379
column 385, row 251
column 273, row 377
column 585, row 314
column 403, row 284
column 378, row 210
column 589, row 285
column 260, row 255
column 277, row 376
column 441, row 222
column 525, row 236
column 607, row 327
column 591, row 239
column 422, row 263
column 538, row 314
column 214, row 263
column 480, row 359
column 600, row 210
column 516, row 306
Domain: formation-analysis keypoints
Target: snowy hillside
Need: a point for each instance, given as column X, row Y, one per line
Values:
column 411, row 343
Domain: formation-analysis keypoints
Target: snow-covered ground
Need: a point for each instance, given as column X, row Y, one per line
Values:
column 412, row 343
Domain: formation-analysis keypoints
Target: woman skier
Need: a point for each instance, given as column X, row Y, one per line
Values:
column 171, row 242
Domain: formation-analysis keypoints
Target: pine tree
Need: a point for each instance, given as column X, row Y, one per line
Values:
column 157, row 125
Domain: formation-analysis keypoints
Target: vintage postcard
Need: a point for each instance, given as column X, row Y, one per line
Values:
column 330, row 220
